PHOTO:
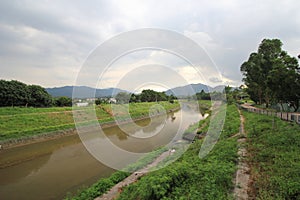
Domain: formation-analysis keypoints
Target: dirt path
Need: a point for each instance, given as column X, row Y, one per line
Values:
column 114, row 191
column 242, row 174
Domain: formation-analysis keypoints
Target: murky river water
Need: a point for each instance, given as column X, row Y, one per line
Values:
column 48, row 170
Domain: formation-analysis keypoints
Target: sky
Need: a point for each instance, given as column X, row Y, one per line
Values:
column 48, row 42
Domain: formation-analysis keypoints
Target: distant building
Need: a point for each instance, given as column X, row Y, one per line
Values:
column 82, row 104
column 112, row 100
column 91, row 99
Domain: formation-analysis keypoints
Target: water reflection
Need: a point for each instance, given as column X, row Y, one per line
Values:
column 51, row 175
column 12, row 175
column 144, row 138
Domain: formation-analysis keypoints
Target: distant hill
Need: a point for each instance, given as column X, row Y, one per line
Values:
column 88, row 92
column 219, row 88
column 83, row 91
column 191, row 89
column 188, row 90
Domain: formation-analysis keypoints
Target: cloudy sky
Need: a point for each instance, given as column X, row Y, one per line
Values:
column 47, row 42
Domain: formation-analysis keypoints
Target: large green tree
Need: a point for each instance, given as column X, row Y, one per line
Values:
column 151, row 96
column 16, row 93
column 145, row 96
column 13, row 93
column 271, row 75
column 203, row 95
column 62, row 101
column 38, row 96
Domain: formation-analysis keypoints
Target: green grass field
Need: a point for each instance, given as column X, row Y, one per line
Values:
column 274, row 148
column 23, row 122
column 30, row 110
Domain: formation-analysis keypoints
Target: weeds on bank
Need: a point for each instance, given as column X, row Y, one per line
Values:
column 274, row 146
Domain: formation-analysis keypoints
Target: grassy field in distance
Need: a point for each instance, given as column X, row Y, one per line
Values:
column 16, row 122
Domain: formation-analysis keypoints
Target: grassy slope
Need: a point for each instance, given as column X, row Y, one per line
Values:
column 274, row 147
column 191, row 177
column 21, row 122
column 29, row 110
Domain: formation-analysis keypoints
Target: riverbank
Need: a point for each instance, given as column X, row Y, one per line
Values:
column 182, row 178
column 16, row 123
column 31, row 139
column 191, row 177
column 116, row 189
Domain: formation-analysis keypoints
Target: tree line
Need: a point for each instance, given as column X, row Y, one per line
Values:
column 272, row 76
column 145, row 96
column 16, row 93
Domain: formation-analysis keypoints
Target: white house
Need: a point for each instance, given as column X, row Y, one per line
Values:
column 112, row 100
column 82, row 104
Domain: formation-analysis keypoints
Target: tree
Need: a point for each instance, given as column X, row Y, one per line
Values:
column 229, row 94
column 63, row 101
column 13, row 93
column 254, row 77
column 149, row 96
column 134, row 98
column 16, row 93
column 152, row 96
column 122, row 97
column 172, row 98
column 103, row 100
column 145, row 96
column 271, row 75
column 203, row 95
column 161, row 96
column 38, row 96
column 286, row 73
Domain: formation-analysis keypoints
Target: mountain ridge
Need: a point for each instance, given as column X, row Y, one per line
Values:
column 83, row 91
column 89, row 92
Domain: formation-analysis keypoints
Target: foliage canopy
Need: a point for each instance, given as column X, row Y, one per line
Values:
column 271, row 75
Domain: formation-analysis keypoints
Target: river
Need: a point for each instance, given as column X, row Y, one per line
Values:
column 51, row 169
